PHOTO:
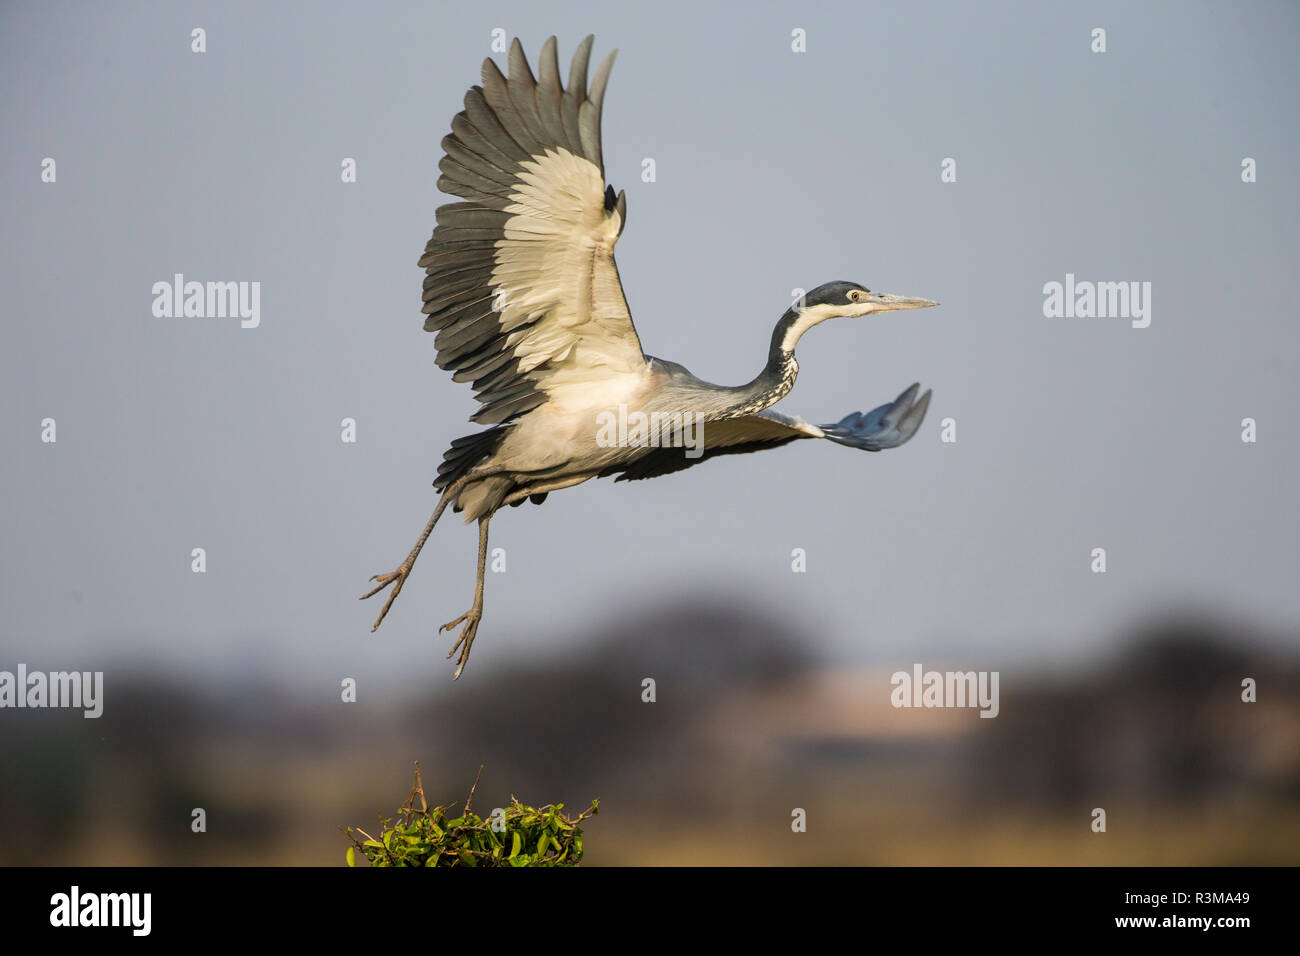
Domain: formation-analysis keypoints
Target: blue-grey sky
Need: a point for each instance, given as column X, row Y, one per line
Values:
column 776, row 170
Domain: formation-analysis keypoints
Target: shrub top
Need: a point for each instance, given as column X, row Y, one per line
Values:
column 515, row 835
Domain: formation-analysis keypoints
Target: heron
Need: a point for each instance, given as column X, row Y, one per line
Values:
column 523, row 292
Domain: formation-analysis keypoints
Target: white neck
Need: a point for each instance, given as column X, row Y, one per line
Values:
column 813, row 315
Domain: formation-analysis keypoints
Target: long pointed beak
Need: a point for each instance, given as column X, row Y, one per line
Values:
column 888, row 303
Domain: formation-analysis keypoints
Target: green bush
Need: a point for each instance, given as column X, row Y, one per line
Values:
column 525, row 836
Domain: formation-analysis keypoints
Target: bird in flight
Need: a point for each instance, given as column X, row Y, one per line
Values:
column 523, row 293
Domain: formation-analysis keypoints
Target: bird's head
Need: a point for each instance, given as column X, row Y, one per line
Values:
column 835, row 300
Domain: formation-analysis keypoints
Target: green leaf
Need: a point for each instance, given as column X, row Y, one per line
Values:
column 515, row 844
column 352, row 856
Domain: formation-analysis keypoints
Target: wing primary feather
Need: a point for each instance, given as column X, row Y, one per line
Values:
column 466, row 157
column 457, row 234
column 480, row 113
column 436, row 252
column 466, row 277
column 912, row 420
column 575, row 93
column 597, row 98
column 468, row 215
column 483, row 363
column 498, row 414
column 549, row 95
column 578, row 68
column 443, row 263
column 497, row 379
column 496, row 92
column 451, row 357
column 457, row 173
column 521, row 86
column 436, row 304
column 444, row 320
column 461, row 185
column 463, row 340
column 465, row 132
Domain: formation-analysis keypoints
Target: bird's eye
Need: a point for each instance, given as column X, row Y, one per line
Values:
column 854, row 295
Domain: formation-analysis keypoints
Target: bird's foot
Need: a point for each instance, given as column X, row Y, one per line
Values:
column 398, row 576
column 466, row 639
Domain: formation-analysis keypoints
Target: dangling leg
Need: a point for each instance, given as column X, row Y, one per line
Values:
column 475, row 613
column 404, row 569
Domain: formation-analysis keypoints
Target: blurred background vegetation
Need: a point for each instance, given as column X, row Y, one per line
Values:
column 747, row 726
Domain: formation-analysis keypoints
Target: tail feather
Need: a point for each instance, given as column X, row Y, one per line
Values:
column 465, row 453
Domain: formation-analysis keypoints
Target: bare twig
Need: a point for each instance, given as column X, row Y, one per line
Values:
column 417, row 789
column 470, row 798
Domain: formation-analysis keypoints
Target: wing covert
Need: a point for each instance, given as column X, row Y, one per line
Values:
column 887, row 426
column 732, row 436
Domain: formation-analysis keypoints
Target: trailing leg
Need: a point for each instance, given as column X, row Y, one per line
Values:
column 475, row 614
column 398, row 577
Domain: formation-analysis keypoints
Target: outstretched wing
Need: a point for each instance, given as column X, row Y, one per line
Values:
column 888, row 426
column 521, row 284
column 885, row 427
